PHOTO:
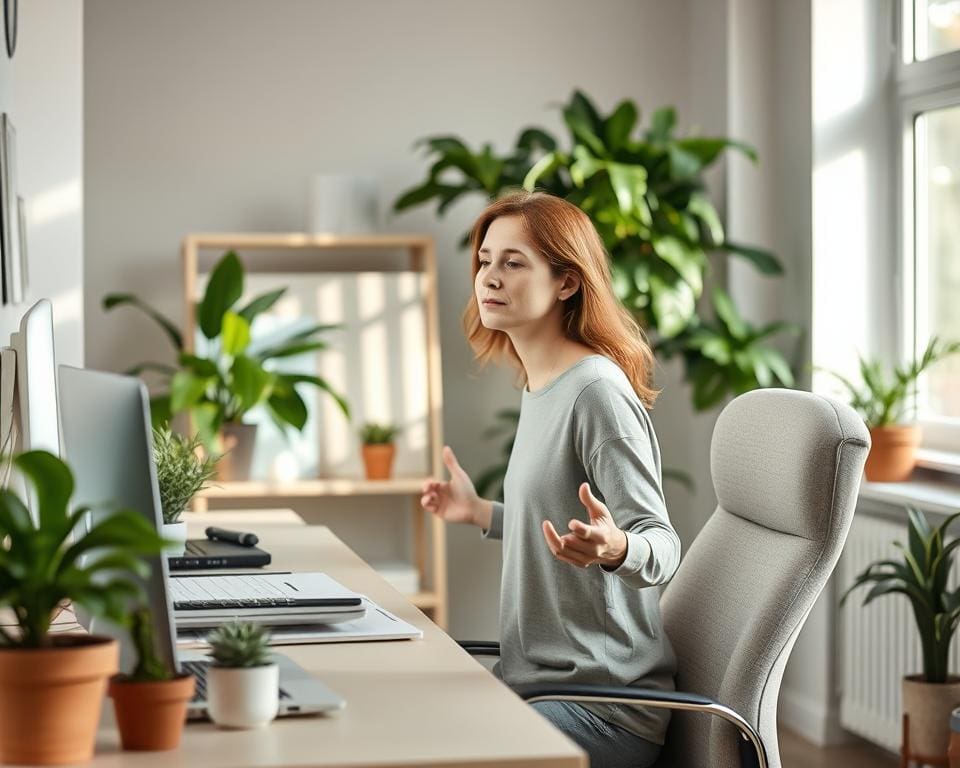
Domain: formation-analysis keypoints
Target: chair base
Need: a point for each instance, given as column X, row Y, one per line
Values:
column 906, row 756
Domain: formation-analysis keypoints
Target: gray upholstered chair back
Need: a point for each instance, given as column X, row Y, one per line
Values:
column 786, row 469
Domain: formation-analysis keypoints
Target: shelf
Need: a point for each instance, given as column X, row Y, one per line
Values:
column 268, row 240
column 254, row 489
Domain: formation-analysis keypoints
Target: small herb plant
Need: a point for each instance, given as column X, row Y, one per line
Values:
column 882, row 398
column 181, row 472
column 40, row 568
column 240, row 644
column 922, row 577
column 149, row 666
column 378, row 434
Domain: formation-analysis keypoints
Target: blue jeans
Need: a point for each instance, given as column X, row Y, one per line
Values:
column 608, row 745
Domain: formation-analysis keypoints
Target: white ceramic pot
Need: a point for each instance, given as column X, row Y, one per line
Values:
column 243, row 697
column 177, row 533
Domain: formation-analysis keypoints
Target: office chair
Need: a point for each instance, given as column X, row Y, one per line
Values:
column 786, row 467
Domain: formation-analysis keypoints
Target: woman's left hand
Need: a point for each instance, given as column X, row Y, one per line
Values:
column 599, row 542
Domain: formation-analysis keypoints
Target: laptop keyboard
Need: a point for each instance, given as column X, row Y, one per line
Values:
column 199, row 670
column 240, row 591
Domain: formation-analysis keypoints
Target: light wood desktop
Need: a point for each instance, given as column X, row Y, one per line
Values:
column 409, row 702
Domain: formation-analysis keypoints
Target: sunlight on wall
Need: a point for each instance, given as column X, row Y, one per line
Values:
column 839, row 265
column 839, row 68
column 54, row 203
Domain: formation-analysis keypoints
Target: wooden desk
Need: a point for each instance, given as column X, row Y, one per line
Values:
column 409, row 702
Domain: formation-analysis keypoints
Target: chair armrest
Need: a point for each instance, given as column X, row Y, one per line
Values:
column 753, row 754
column 480, row 647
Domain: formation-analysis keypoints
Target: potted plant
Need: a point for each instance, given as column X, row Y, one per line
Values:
column 52, row 685
column 151, row 702
column 922, row 575
column 882, row 403
column 378, row 449
column 243, row 684
column 181, row 473
column 219, row 385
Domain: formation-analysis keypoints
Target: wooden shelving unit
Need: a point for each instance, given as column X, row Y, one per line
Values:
column 428, row 535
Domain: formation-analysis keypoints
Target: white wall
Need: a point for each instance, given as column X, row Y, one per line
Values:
column 41, row 89
column 210, row 116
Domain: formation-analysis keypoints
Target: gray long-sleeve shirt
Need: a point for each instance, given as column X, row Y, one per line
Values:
column 564, row 624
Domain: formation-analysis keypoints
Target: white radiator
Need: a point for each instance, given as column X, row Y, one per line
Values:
column 879, row 643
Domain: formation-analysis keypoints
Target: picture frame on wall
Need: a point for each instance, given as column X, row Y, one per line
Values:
column 24, row 260
column 9, row 213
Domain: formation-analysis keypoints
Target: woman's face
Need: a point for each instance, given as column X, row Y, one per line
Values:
column 514, row 285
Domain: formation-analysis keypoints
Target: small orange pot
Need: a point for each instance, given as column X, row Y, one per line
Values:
column 893, row 453
column 378, row 459
column 50, row 699
column 151, row 714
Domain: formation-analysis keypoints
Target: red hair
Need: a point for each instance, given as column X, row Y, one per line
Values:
column 567, row 239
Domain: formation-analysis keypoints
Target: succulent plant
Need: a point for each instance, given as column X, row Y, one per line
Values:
column 378, row 434
column 240, row 644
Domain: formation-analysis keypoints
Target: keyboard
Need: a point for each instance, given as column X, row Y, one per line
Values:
column 243, row 591
column 199, row 670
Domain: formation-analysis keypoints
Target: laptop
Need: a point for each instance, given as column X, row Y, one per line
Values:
column 107, row 441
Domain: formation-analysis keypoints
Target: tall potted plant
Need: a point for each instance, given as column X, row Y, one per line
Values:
column 921, row 575
column 235, row 374
column 52, row 685
column 182, row 472
column 647, row 197
column 151, row 702
column 882, row 401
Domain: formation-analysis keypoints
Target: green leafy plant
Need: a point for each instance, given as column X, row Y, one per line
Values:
column 647, row 198
column 41, row 569
column 181, row 471
column 378, row 434
column 922, row 576
column 237, row 374
column 240, row 644
column 882, row 398
column 149, row 665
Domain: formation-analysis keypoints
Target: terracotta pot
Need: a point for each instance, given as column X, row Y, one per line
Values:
column 236, row 443
column 378, row 460
column 893, row 453
column 50, row 699
column 929, row 706
column 150, row 715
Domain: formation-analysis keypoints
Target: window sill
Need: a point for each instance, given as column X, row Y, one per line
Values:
column 929, row 490
column 941, row 461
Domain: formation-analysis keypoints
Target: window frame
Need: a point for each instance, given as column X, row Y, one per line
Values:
column 919, row 87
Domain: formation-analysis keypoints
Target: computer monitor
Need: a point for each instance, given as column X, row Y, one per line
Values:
column 108, row 444
column 30, row 419
column 37, row 379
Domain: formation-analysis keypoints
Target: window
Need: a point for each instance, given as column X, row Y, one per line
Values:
column 928, row 95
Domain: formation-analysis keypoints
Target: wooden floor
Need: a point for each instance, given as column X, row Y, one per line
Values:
column 797, row 753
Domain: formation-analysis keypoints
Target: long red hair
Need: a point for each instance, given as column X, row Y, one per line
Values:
column 567, row 239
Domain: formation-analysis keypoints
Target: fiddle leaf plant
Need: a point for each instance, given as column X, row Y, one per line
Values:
column 647, row 199
column 42, row 567
column 235, row 374
column 921, row 576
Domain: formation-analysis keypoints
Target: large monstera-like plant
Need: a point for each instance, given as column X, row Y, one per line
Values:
column 647, row 198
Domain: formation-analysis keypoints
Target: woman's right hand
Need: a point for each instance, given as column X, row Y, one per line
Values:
column 455, row 501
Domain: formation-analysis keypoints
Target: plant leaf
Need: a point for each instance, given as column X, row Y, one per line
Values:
column 223, row 289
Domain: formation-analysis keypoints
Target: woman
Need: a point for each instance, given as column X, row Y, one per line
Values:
column 586, row 536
